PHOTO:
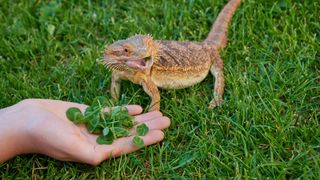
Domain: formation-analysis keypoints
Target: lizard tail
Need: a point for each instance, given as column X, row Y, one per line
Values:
column 218, row 34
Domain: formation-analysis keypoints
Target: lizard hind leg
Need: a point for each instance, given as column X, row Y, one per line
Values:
column 217, row 71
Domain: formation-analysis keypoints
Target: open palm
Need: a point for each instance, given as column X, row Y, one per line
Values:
column 49, row 132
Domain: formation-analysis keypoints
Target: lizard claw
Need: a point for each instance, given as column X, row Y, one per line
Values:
column 214, row 103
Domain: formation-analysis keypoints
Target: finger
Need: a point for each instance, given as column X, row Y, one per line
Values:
column 152, row 137
column 159, row 123
column 59, row 107
column 147, row 116
column 124, row 145
column 134, row 109
column 154, row 120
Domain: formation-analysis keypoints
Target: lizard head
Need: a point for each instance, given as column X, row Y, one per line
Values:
column 135, row 53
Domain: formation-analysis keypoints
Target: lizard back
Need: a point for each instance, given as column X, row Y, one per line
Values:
column 180, row 64
column 178, row 54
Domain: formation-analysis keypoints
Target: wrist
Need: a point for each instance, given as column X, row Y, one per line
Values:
column 13, row 139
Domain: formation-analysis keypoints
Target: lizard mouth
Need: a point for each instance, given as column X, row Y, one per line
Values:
column 142, row 63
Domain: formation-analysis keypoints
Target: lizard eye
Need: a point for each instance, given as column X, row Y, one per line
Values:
column 126, row 49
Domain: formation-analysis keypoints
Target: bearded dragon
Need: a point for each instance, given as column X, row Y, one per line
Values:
column 170, row 64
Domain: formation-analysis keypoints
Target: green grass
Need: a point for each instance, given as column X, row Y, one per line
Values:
column 268, row 125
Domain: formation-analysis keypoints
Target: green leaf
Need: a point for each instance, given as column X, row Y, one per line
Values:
column 120, row 132
column 115, row 111
column 138, row 141
column 124, row 118
column 142, row 129
column 100, row 101
column 91, row 112
column 93, row 125
column 104, row 140
column 97, row 130
column 74, row 114
column 121, row 115
column 127, row 122
column 105, row 131
column 105, row 115
column 103, row 124
column 105, row 119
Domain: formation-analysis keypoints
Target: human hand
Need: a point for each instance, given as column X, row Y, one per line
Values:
column 41, row 126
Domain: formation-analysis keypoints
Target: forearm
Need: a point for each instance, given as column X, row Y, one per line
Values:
column 8, row 148
column 12, row 137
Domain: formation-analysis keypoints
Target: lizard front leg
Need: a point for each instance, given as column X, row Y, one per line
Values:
column 152, row 90
column 217, row 71
column 115, row 86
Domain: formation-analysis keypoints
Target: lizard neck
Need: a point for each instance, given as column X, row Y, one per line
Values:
column 155, row 51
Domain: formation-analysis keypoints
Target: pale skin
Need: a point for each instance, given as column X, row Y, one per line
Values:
column 41, row 126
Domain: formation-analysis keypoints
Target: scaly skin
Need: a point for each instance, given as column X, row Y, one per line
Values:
column 170, row 64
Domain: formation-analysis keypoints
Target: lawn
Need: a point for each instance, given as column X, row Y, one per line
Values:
column 268, row 125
